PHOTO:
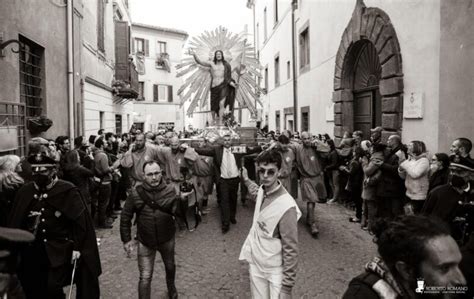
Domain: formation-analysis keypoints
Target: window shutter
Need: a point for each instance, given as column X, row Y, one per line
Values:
column 170, row 93
column 155, row 93
column 121, row 51
column 146, row 48
column 134, row 41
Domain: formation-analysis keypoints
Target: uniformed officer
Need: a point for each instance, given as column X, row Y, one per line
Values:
column 53, row 210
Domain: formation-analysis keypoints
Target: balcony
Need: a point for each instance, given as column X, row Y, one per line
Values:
column 125, row 84
column 163, row 61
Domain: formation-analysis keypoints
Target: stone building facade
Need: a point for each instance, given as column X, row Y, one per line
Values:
column 402, row 65
column 160, row 50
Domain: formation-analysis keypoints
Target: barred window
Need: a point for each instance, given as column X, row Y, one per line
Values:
column 31, row 77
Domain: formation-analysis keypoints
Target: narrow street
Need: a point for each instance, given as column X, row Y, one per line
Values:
column 208, row 265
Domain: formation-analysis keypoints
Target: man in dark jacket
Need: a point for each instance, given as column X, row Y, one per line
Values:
column 155, row 203
column 55, row 213
column 391, row 188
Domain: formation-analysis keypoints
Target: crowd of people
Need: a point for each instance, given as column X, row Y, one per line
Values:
column 403, row 195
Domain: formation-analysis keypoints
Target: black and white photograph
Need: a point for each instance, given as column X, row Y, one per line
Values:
column 260, row 149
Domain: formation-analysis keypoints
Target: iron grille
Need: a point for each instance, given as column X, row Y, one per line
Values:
column 31, row 77
column 16, row 114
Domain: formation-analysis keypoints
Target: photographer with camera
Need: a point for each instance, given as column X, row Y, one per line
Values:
column 155, row 204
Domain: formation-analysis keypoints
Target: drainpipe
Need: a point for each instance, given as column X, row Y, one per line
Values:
column 294, row 5
column 70, row 68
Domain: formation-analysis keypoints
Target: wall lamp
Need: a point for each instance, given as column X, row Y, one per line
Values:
column 3, row 45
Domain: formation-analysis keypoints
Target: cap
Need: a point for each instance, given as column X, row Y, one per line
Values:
column 39, row 140
column 14, row 235
column 41, row 160
column 376, row 129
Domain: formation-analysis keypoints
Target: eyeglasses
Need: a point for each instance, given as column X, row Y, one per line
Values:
column 269, row 172
column 152, row 174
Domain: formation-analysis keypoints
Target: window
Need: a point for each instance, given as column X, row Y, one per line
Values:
column 305, row 118
column 277, row 120
column 288, row 69
column 161, row 47
column 141, row 90
column 100, row 25
column 118, row 124
column 265, row 23
column 128, row 121
column 101, row 120
column 266, row 78
column 277, row 71
column 304, row 48
column 141, row 46
column 31, row 77
column 162, row 93
column 118, row 15
column 275, row 15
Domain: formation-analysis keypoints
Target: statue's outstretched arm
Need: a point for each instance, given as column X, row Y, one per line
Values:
column 199, row 61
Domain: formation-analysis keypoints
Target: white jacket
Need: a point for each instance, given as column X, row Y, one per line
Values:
column 416, row 171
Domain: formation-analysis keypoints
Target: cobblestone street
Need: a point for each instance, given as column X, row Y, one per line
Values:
column 208, row 265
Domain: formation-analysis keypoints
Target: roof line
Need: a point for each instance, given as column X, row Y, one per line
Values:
column 170, row 30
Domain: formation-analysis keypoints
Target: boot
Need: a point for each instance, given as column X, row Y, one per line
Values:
column 312, row 222
column 309, row 213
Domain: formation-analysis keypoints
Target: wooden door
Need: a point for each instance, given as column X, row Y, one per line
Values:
column 364, row 112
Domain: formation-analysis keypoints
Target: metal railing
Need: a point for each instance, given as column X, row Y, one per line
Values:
column 14, row 114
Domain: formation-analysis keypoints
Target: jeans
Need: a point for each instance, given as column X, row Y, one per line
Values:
column 103, row 200
column 146, row 263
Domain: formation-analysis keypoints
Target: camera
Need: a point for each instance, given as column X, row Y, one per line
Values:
column 186, row 186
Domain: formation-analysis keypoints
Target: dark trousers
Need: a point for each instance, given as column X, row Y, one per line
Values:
column 38, row 278
column 228, row 189
column 357, row 199
column 103, row 200
column 389, row 207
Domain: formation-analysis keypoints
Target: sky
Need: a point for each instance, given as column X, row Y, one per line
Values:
column 193, row 16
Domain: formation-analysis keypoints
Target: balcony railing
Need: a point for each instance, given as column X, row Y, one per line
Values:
column 126, row 81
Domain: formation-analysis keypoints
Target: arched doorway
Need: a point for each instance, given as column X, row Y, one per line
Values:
column 368, row 77
column 366, row 93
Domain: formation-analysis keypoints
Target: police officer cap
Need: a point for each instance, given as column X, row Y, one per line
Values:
column 14, row 235
column 41, row 160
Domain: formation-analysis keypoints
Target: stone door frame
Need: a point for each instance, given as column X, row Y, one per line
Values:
column 369, row 24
